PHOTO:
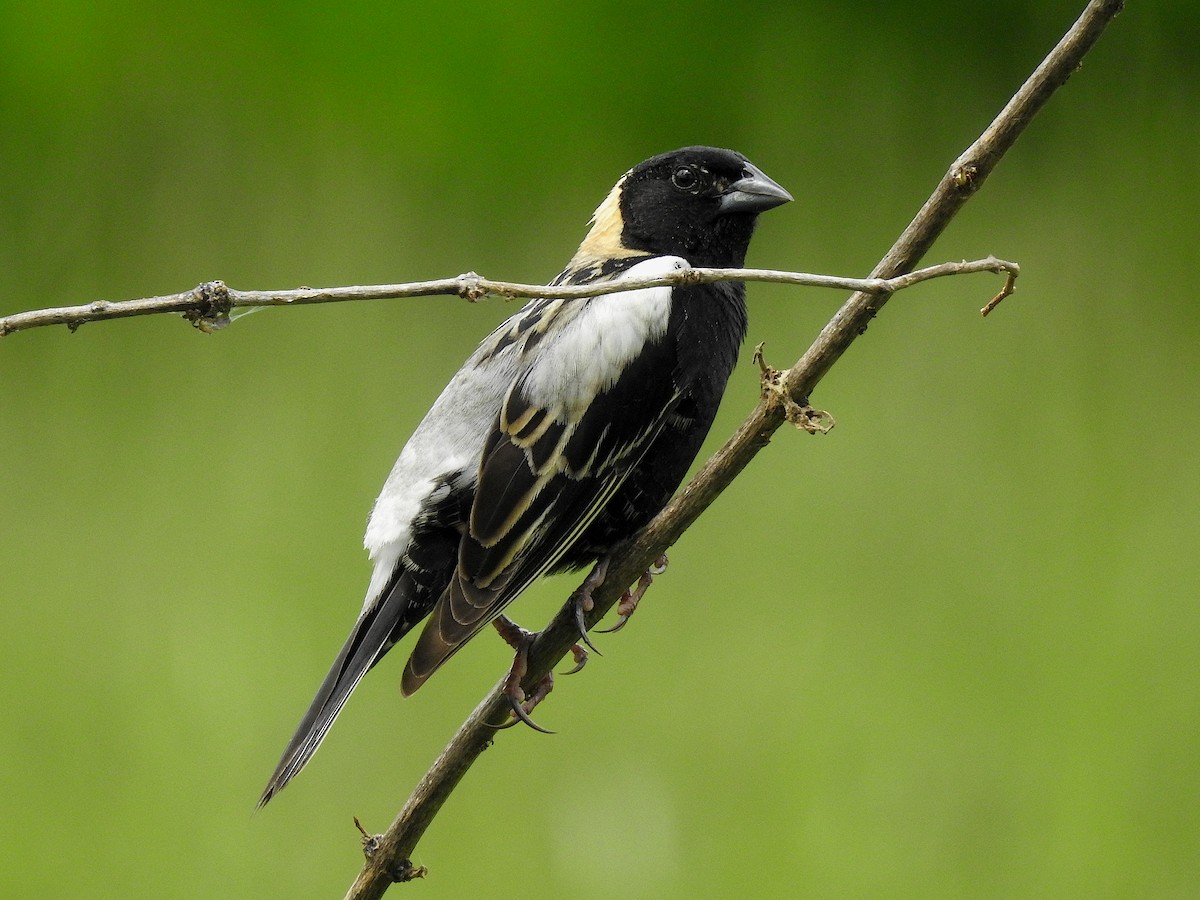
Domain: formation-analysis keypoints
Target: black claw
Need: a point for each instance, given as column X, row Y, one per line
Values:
column 621, row 620
column 581, row 659
column 519, row 711
column 582, row 624
column 508, row 723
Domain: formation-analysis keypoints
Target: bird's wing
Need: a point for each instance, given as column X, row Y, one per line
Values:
column 572, row 426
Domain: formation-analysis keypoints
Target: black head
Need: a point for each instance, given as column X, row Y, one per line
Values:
column 700, row 203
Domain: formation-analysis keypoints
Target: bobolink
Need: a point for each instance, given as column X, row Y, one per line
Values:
column 565, row 432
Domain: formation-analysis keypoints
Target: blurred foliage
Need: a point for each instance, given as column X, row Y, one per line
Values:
column 948, row 650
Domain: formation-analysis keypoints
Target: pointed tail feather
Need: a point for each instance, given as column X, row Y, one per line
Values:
column 462, row 612
column 373, row 635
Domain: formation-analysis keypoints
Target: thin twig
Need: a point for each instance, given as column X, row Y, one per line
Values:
column 963, row 179
column 1010, row 285
column 208, row 305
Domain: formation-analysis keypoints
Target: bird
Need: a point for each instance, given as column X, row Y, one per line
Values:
column 570, row 426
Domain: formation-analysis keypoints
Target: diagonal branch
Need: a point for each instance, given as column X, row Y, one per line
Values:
column 388, row 854
column 208, row 305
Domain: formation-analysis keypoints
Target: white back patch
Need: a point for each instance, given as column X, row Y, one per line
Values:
column 597, row 345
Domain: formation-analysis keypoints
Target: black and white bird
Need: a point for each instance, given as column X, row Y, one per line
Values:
column 567, row 430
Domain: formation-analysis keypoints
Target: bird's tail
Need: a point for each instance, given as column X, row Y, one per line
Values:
column 375, row 632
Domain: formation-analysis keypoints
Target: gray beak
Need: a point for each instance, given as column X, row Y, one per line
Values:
column 754, row 192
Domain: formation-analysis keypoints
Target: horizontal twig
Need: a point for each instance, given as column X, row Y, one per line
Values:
column 208, row 305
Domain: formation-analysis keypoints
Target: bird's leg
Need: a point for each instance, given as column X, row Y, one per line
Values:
column 630, row 599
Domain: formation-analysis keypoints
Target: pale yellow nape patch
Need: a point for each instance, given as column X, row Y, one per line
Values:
column 603, row 240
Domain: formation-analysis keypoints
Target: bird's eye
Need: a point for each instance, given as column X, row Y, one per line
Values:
column 684, row 179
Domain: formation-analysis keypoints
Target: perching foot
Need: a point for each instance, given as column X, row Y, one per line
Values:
column 630, row 599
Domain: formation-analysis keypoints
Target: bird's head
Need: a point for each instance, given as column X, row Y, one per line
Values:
column 700, row 203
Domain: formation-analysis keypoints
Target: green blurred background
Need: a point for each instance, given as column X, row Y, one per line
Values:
column 948, row 650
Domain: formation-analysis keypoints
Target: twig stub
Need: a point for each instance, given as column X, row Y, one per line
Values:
column 370, row 842
column 773, row 382
column 470, row 287
column 213, row 304
column 406, row 871
column 1010, row 285
column 966, row 178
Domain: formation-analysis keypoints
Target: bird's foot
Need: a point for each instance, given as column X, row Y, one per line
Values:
column 513, row 634
column 522, row 704
column 584, row 603
column 630, row 599
column 581, row 658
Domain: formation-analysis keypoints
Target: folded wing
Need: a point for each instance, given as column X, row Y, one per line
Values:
column 572, row 427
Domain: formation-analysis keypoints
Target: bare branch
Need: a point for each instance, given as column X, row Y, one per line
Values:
column 208, row 305
column 390, row 852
